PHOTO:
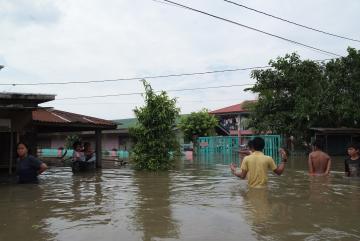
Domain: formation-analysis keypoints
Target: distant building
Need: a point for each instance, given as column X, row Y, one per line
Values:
column 22, row 119
column 335, row 140
column 112, row 140
column 234, row 119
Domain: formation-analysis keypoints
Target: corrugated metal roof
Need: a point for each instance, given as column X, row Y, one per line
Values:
column 341, row 130
column 238, row 108
column 63, row 117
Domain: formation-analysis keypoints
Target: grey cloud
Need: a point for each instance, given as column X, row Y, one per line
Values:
column 29, row 12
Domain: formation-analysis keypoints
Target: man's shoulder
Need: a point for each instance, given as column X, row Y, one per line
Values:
column 324, row 154
column 268, row 158
column 247, row 158
column 318, row 153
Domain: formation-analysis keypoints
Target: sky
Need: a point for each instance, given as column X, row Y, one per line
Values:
column 91, row 40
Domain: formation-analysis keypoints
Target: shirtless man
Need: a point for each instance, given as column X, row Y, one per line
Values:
column 319, row 161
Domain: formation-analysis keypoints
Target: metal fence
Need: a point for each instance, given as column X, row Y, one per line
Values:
column 223, row 144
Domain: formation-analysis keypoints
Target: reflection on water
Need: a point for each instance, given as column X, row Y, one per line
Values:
column 153, row 214
column 22, row 215
column 200, row 200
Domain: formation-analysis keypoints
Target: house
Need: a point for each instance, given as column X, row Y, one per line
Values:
column 233, row 120
column 336, row 139
column 112, row 140
column 22, row 119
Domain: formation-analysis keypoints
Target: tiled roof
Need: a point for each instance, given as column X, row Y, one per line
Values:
column 62, row 117
column 242, row 132
column 238, row 108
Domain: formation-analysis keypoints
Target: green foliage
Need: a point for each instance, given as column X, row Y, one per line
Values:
column 198, row 124
column 296, row 94
column 70, row 140
column 154, row 135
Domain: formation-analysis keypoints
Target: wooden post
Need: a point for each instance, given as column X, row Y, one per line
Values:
column 11, row 152
column 98, row 149
column 238, row 120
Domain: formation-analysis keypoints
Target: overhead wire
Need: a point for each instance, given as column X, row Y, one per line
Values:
column 135, row 78
column 140, row 93
column 145, row 77
column 254, row 29
column 140, row 102
column 291, row 22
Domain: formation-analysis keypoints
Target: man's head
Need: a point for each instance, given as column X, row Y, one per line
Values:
column 250, row 145
column 77, row 146
column 317, row 145
column 258, row 143
column 353, row 149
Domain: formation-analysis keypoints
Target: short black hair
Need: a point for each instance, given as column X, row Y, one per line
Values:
column 76, row 144
column 22, row 143
column 250, row 144
column 354, row 145
column 258, row 143
column 318, row 144
column 26, row 146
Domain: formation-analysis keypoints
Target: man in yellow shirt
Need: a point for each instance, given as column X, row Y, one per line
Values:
column 256, row 165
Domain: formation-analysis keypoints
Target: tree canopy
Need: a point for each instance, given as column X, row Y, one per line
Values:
column 295, row 94
column 199, row 123
column 154, row 134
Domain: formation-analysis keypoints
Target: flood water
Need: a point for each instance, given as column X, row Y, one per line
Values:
column 199, row 200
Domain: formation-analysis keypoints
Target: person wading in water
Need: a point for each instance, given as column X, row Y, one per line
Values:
column 28, row 167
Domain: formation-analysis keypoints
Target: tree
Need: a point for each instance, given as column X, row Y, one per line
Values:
column 295, row 94
column 154, row 135
column 196, row 124
column 343, row 91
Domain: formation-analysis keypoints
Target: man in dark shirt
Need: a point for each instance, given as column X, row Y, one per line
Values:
column 352, row 163
column 28, row 167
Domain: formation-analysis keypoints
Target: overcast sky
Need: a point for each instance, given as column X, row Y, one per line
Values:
column 90, row 40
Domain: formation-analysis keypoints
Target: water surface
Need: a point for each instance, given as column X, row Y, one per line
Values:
column 199, row 200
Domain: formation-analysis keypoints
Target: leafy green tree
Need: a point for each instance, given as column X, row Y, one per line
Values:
column 342, row 97
column 197, row 124
column 295, row 94
column 154, row 135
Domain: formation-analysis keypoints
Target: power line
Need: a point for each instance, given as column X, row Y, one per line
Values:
column 291, row 22
column 140, row 93
column 138, row 103
column 136, row 78
column 145, row 77
column 254, row 29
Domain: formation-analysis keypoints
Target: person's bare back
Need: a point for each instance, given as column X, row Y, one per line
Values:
column 319, row 163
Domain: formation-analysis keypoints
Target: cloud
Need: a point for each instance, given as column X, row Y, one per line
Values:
column 24, row 12
column 86, row 40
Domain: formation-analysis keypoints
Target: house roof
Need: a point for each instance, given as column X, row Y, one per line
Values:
column 66, row 120
column 238, row 108
column 342, row 130
column 242, row 132
column 23, row 100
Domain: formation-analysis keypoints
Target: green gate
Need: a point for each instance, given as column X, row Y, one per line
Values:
column 230, row 144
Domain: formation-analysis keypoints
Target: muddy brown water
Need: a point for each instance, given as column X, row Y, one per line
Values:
column 199, row 200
